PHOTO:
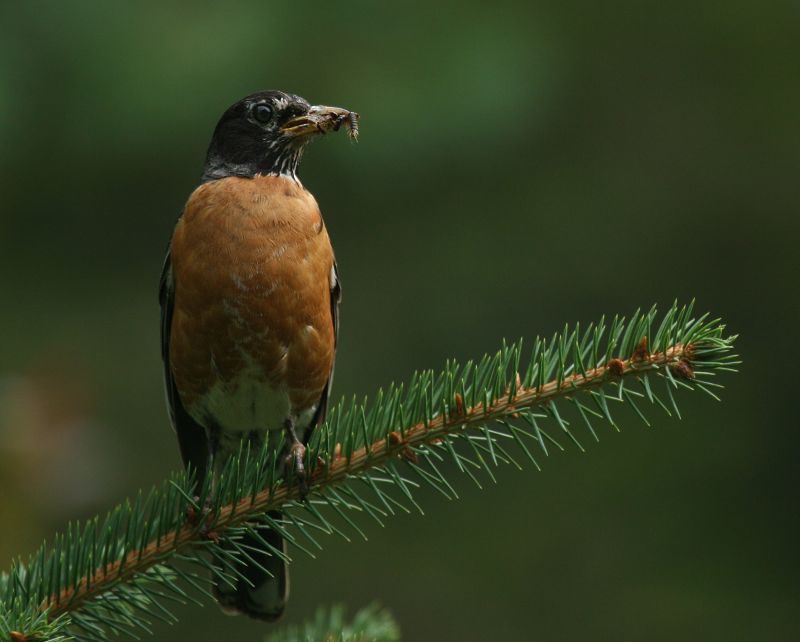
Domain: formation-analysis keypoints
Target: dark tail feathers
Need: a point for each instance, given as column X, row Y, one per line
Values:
column 264, row 598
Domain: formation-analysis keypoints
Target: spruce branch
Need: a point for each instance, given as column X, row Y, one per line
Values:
column 118, row 574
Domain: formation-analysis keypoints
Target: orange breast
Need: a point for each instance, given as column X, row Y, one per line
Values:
column 252, row 268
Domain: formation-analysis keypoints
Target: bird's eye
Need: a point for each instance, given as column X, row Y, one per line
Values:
column 262, row 113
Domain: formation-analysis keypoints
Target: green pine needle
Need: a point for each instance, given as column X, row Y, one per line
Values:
column 372, row 623
column 117, row 575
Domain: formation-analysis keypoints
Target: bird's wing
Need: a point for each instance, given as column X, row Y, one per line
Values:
column 191, row 435
column 322, row 408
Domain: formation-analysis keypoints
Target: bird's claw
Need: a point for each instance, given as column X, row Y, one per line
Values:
column 199, row 518
column 297, row 453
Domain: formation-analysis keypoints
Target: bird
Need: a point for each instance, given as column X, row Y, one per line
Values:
column 249, row 296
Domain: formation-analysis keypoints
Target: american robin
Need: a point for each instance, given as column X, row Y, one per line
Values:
column 249, row 310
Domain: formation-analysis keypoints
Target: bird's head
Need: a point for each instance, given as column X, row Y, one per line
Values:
column 265, row 133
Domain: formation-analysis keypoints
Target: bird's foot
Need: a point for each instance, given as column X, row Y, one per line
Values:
column 199, row 515
column 294, row 459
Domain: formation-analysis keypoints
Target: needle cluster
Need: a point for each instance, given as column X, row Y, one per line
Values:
column 117, row 574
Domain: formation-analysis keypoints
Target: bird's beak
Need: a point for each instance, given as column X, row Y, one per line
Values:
column 320, row 120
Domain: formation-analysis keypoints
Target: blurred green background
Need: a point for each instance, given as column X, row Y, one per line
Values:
column 521, row 165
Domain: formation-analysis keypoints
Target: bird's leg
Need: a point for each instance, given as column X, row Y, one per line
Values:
column 198, row 514
column 296, row 453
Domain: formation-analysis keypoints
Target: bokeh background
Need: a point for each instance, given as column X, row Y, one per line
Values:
column 521, row 165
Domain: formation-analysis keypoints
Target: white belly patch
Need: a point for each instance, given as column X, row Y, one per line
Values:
column 249, row 403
